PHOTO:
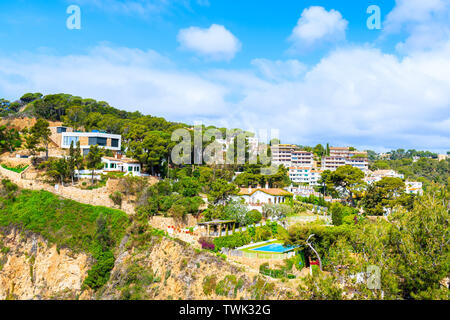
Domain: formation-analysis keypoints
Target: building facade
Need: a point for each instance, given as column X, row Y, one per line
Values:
column 256, row 198
column 306, row 175
column 107, row 141
column 117, row 164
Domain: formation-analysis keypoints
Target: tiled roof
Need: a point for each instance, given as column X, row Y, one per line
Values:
column 124, row 160
column 270, row 191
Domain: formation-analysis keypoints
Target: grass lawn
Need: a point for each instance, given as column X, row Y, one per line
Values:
column 18, row 169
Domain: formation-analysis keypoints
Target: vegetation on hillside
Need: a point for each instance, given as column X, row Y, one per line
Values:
column 66, row 223
column 411, row 250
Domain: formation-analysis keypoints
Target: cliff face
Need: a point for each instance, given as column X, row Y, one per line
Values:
column 157, row 268
column 170, row 269
column 31, row 269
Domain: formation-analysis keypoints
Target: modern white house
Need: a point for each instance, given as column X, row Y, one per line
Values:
column 255, row 198
column 107, row 141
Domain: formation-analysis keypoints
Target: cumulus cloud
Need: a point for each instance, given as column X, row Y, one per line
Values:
column 414, row 11
column 128, row 78
column 426, row 22
column 215, row 42
column 316, row 25
column 357, row 95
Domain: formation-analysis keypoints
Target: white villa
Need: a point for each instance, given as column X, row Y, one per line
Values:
column 256, row 198
column 121, row 164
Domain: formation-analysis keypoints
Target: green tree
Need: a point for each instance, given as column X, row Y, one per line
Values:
column 42, row 133
column 94, row 159
column 75, row 159
column 30, row 97
column 9, row 139
column 75, row 117
column 346, row 178
column 383, row 194
column 220, row 191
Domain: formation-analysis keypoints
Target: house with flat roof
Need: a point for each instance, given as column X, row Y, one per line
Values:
column 106, row 141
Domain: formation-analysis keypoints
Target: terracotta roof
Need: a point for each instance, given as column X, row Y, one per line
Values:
column 270, row 191
column 124, row 160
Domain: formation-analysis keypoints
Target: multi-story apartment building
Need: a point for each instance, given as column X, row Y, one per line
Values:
column 282, row 154
column 291, row 155
column 333, row 162
column 360, row 163
column 302, row 158
column 305, row 175
column 346, row 152
column 341, row 156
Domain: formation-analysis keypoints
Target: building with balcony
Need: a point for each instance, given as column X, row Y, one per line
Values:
column 305, row 175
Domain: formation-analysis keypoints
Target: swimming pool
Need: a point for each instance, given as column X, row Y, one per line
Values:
column 273, row 247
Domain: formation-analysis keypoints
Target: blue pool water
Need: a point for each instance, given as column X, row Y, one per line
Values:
column 274, row 247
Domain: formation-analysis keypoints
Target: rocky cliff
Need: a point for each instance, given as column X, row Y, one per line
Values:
column 147, row 266
column 31, row 269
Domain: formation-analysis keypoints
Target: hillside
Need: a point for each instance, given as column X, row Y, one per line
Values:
column 53, row 248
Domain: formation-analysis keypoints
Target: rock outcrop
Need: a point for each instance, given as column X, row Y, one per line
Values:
column 30, row 268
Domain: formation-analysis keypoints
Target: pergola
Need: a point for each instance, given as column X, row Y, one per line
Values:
column 218, row 225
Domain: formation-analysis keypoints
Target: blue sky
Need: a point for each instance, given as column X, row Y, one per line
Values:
column 311, row 69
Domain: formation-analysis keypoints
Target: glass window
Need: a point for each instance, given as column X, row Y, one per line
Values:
column 130, row 168
column 68, row 140
column 97, row 141
column 115, row 143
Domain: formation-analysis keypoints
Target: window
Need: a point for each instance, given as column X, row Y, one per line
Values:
column 61, row 129
column 97, row 141
column 130, row 168
column 115, row 143
column 68, row 140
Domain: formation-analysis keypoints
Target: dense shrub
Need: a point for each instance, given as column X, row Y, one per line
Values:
column 254, row 216
column 237, row 239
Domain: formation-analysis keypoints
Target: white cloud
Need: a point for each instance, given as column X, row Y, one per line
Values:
column 414, row 11
column 357, row 96
column 215, row 42
column 317, row 24
column 427, row 24
column 278, row 70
